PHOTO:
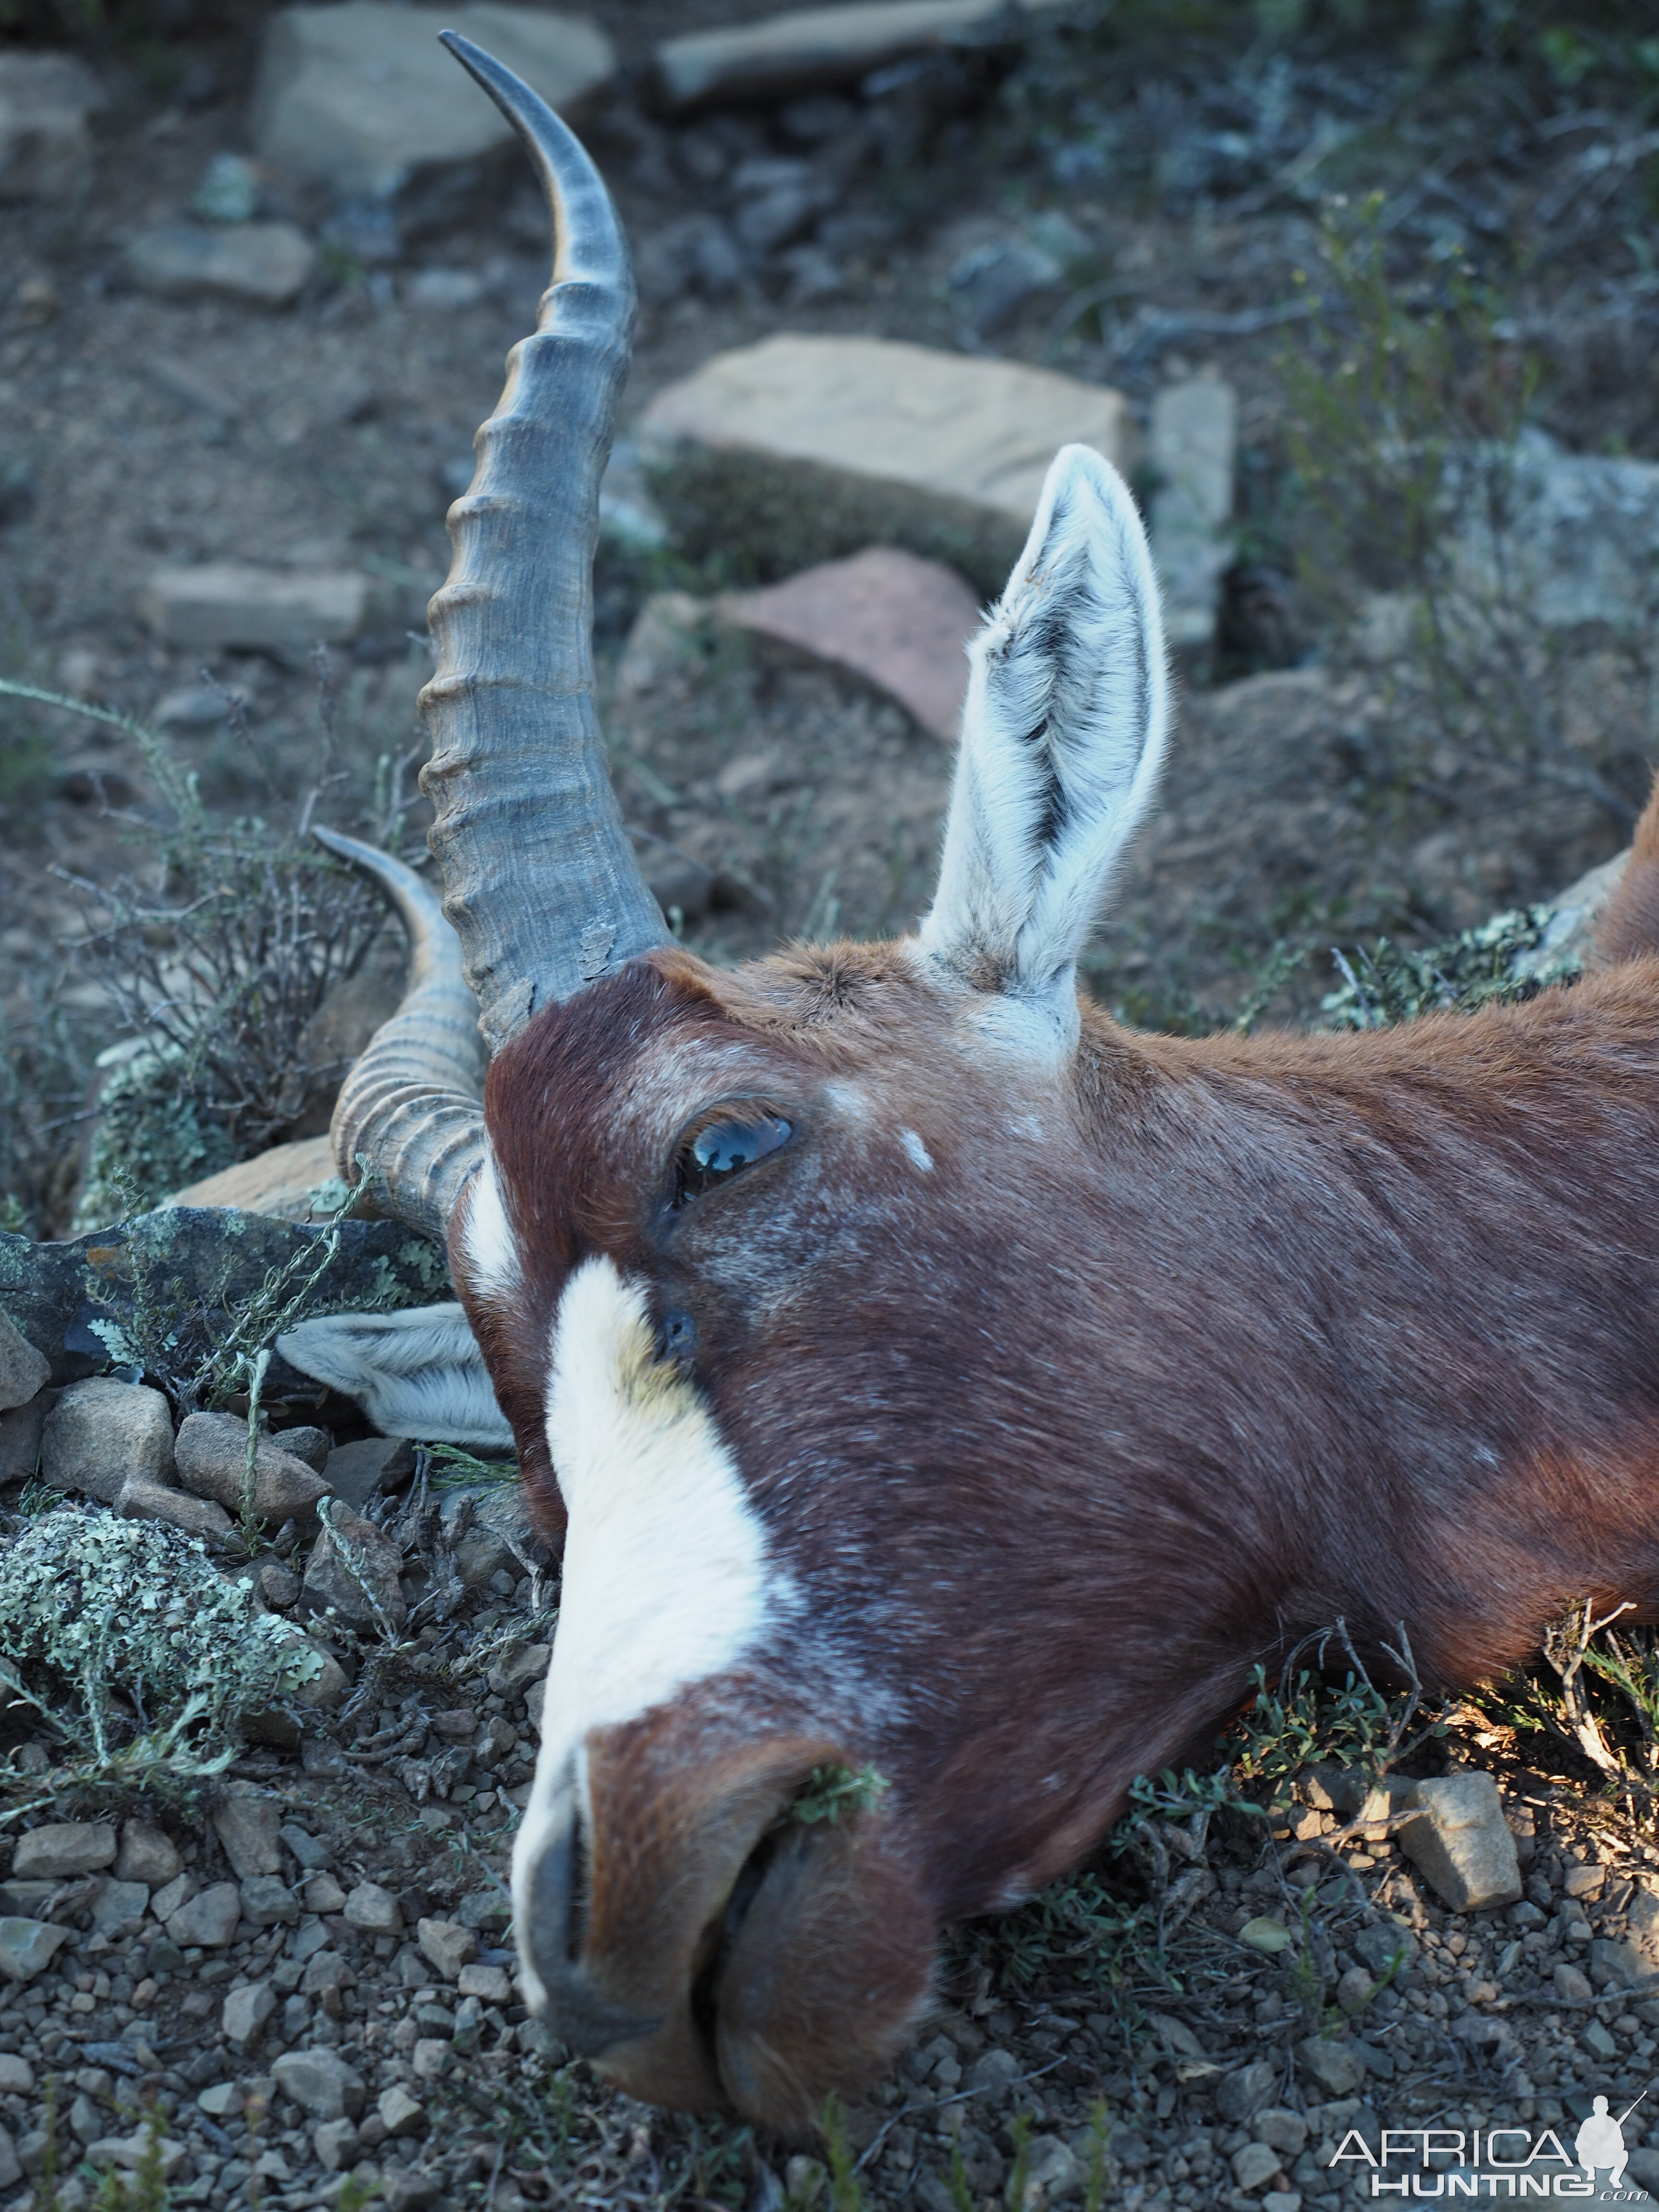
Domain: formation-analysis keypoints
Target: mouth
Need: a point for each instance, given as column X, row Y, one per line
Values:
column 718, row 1942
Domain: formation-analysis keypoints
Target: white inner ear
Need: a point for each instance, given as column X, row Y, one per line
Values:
column 1062, row 739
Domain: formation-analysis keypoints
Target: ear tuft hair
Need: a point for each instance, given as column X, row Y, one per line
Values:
column 1062, row 739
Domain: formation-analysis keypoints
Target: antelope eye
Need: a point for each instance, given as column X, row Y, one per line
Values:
column 723, row 1149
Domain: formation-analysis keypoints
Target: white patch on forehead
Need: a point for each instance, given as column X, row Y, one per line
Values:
column 848, row 1100
column 666, row 1577
column 916, row 1152
column 492, row 1257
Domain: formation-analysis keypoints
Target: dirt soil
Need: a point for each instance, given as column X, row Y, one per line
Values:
column 1298, row 811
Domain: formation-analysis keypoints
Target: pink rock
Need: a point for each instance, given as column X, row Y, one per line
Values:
column 893, row 620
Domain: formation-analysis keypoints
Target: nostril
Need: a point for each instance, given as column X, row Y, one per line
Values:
column 579, row 1888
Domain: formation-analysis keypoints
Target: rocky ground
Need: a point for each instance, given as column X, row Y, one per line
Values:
column 302, row 1971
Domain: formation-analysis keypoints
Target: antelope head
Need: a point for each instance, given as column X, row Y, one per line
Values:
column 928, row 1381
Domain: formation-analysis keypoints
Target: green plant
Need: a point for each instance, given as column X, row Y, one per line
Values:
column 1014, row 2194
column 829, row 1791
column 846, row 2191
column 1097, row 2168
column 1408, row 425
column 1384, row 983
column 219, row 960
column 147, row 2191
column 137, row 1656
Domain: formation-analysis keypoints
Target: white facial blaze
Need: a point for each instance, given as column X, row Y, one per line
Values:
column 666, row 1579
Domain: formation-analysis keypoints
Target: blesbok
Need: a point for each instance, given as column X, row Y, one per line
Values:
column 922, row 1372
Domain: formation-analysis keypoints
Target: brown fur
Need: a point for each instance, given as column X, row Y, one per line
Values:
column 1179, row 1352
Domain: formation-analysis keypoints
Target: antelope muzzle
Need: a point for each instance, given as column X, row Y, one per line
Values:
column 704, row 1947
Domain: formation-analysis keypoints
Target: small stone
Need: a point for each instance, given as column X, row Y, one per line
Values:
column 21, row 1431
column 354, row 1572
column 518, row 1667
column 879, row 441
column 229, row 606
column 1355, row 1990
column 28, row 1948
column 491, row 1984
column 1571, row 1986
column 11, row 2166
column 1616, row 1966
column 210, row 1920
column 357, row 1472
column 221, row 2101
column 321, row 2083
column 268, row 1902
column 375, row 1910
column 400, row 2113
column 131, row 2151
column 211, row 1456
column 807, row 49
column 1193, row 435
column 264, row 264
column 1255, row 2163
column 322, row 1893
column 16, row 2076
column 1268, row 1936
column 993, row 2074
column 247, row 2010
column 138, row 1500
column 249, row 1825
column 179, row 1891
column 325, row 1971
column 336, row 2143
column 118, row 1907
column 46, row 148
column 23, row 1371
column 311, row 1854
column 480, row 1555
column 147, row 1855
column 448, row 1946
column 1337, row 2067
column 1462, row 1842
column 1052, row 2172
column 1386, row 1947
column 896, row 624
column 1239, row 2095
column 309, row 1443
column 63, row 1849
column 430, row 2058
column 102, row 1432
column 1583, row 1880
column 407, row 2191
column 1597, row 2039
column 279, row 1586
column 1285, row 2131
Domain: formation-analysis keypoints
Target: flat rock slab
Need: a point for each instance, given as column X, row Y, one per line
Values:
column 361, row 99
column 808, row 47
column 800, row 447
column 45, row 150
column 62, row 1849
column 229, row 605
column 203, row 1270
column 282, row 1182
column 892, row 620
column 264, row 265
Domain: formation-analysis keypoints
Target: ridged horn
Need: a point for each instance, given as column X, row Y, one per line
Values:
column 539, row 876
column 410, row 1105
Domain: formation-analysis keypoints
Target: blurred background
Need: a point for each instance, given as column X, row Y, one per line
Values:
column 1362, row 297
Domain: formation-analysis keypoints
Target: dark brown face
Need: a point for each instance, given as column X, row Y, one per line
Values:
column 825, row 1483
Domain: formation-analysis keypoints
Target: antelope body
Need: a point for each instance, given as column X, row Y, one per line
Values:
column 922, row 1372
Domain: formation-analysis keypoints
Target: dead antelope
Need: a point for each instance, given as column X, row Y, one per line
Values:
column 922, row 1372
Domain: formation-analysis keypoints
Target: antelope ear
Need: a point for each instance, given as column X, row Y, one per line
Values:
column 1062, row 738
column 418, row 1373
